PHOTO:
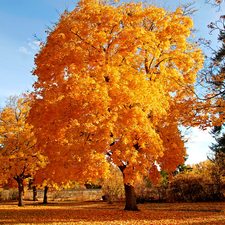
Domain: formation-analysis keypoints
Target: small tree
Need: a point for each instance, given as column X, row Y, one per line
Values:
column 217, row 174
column 19, row 156
column 59, row 173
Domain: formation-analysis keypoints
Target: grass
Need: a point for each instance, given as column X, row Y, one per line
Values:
column 103, row 213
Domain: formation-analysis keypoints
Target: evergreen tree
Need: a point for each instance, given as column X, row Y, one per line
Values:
column 217, row 83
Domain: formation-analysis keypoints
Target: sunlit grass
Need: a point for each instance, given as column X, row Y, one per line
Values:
column 104, row 213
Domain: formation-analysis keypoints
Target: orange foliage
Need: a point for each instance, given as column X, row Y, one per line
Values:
column 10, row 183
column 18, row 154
column 103, row 213
column 114, row 82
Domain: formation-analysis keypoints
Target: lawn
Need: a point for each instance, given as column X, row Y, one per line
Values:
column 104, row 213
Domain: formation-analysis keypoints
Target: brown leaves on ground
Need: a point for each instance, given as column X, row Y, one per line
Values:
column 103, row 213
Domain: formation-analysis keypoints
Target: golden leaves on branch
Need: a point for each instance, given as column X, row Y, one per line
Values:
column 19, row 155
column 114, row 82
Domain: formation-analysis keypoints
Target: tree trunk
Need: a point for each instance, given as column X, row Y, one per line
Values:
column 45, row 201
column 131, row 203
column 21, row 191
column 35, row 193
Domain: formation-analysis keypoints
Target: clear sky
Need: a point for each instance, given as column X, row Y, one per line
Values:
column 21, row 20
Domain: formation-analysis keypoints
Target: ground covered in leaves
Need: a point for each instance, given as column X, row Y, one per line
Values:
column 104, row 213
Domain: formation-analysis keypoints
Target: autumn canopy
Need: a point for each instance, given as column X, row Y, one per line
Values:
column 113, row 84
column 19, row 157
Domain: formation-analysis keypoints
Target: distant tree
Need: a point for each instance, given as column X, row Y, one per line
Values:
column 218, row 148
column 214, row 76
column 213, row 171
column 218, row 154
column 182, row 167
column 165, row 177
column 55, row 176
column 19, row 156
column 34, row 188
column 216, row 71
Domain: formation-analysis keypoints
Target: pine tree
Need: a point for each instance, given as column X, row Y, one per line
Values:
column 217, row 83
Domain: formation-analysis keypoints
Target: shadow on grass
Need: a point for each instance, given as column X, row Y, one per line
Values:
column 189, row 210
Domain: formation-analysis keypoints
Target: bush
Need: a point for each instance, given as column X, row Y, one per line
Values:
column 13, row 194
column 113, row 187
column 142, row 191
column 187, row 187
column 204, row 182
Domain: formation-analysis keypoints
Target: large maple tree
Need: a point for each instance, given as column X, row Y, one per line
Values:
column 114, row 82
column 19, row 157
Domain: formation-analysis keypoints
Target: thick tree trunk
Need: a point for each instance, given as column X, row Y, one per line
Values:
column 21, row 191
column 45, row 201
column 35, row 193
column 131, row 203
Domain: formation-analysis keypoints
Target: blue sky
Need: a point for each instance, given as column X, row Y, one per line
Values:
column 22, row 19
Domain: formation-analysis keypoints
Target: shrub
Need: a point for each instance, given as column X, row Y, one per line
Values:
column 13, row 194
column 113, row 187
column 204, row 182
column 142, row 191
column 186, row 187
